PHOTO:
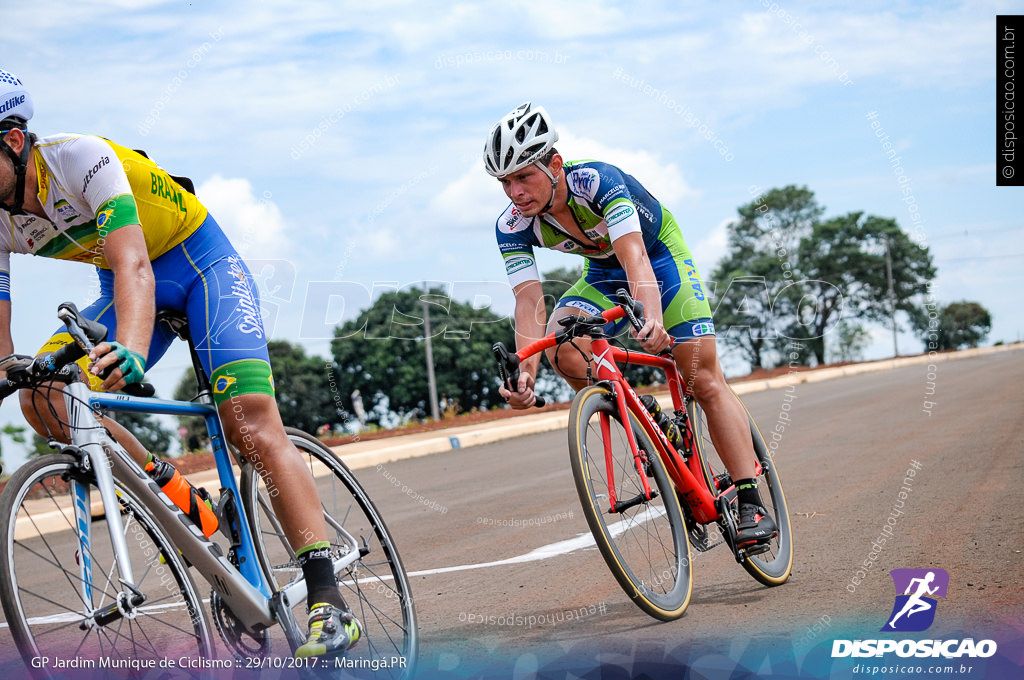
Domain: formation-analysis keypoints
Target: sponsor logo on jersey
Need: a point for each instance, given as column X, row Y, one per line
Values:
column 514, row 264
column 65, row 210
column 92, row 173
column 593, row 310
column 251, row 321
column 584, row 181
column 611, row 193
column 644, row 212
column 703, row 328
column 513, row 217
column 618, row 214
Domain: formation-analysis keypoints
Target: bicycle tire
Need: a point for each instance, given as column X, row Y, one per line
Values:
column 39, row 494
column 660, row 584
column 772, row 568
column 381, row 601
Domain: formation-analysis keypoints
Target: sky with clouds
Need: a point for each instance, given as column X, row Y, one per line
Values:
column 340, row 142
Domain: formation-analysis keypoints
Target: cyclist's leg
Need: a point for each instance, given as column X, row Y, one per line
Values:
column 688, row 320
column 224, row 318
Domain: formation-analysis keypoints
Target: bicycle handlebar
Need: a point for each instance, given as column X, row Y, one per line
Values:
column 56, row 367
column 572, row 327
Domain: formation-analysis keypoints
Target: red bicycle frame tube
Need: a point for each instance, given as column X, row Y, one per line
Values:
column 687, row 476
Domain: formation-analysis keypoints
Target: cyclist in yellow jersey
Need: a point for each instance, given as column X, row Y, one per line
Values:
column 155, row 246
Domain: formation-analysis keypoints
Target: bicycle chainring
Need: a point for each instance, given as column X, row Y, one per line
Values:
column 240, row 641
column 700, row 537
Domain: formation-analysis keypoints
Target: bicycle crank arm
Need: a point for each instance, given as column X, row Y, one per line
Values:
column 636, row 500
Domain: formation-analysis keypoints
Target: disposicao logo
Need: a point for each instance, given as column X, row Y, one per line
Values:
column 913, row 611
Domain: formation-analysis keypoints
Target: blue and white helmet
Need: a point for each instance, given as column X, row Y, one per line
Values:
column 522, row 137
column 15, row 101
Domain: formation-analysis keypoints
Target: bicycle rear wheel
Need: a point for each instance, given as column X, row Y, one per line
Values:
column 772, row 568
column 50, row 604
column 376, row 585
column 646, row 545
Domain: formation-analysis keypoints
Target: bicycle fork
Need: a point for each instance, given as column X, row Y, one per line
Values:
column 648, row 494
column 93, row 457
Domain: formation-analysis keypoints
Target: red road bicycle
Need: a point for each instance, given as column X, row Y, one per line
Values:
column 647, row 500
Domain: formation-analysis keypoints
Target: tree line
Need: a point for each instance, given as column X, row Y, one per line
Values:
column 791, row 280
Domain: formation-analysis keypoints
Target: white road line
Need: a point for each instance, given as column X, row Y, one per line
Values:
column 581, row 541
column 584, row 540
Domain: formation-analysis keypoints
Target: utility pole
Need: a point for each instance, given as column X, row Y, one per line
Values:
column 892, row 296
column 435, row 412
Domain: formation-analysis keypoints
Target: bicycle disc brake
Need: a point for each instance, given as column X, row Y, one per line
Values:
column 239, row 640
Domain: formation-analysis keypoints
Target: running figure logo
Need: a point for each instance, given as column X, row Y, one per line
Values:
column 914, row 610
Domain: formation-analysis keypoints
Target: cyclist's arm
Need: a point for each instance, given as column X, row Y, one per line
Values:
column 632, row 255
column 530, row 320
column 6, row 342
column 134, row 297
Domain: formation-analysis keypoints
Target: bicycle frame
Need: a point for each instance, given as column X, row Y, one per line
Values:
column 685, row 474
column 243, row 589
column 687, row 480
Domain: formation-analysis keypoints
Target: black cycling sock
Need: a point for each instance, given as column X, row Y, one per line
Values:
column 746, row 491
column 318, row 570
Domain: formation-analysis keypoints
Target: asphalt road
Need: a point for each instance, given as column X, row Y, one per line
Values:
column 462, row 518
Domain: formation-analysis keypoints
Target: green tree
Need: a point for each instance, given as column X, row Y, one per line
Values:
column 147, row 429
column 745, row 288
column 962, row 324
column 303, row 387
column 851, row 341
column 382, row 353
column 843, row 262
column 789, row 276
column 16, row 433
column 555, row 282
column 196, row 437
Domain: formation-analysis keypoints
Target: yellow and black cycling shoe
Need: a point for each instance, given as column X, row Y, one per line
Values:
column 332, row 631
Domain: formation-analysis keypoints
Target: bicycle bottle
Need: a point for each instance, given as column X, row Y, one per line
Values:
column 193, row 502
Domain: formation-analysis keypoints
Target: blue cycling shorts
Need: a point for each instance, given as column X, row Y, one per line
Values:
column 206, row 279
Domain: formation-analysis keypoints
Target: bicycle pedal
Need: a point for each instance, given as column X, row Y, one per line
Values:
column 756, row 549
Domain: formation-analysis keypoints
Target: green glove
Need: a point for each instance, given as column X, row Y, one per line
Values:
column 132, row 364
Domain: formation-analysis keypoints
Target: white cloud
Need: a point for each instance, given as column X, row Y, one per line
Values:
column 713, row 247
column 254, row 224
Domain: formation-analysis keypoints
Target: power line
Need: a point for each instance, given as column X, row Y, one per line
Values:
column 981, row 257
column 967, row 232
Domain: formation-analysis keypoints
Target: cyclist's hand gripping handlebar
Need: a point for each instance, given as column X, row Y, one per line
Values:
column 86, row 334
column 508, row 370
column 634, row 309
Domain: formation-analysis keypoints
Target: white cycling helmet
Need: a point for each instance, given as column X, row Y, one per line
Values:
column 15, row 101
column 522, row 137
column 15, row 112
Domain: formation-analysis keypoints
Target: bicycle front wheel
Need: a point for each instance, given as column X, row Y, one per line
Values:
column 772, row 568
column 375, row 585
column 61, row 588
column 645, row 545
